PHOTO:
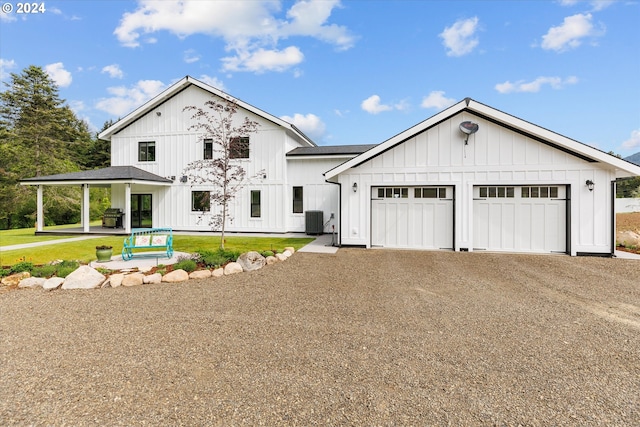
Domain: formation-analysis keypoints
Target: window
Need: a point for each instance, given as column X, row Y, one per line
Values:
column 540, row 192
column 393, row 193
column 147, row 151
column 200, row 201
column 239, row 148
column 255, row 203
column 430, row 193
column 208, row 149
column 297, row 199
column 497, row 192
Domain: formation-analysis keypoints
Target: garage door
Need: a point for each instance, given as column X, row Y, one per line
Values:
column 520, row 218
column 412, row 217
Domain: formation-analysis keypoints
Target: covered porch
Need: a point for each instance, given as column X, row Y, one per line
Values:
column 124, row 181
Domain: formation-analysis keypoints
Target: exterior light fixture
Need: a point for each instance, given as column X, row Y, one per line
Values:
column 589, row 184
column 468, row 128
column 158, row 113
column 354, row 187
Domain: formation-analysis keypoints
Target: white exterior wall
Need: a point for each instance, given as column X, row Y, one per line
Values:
column 177, row 146
column 493, row 156
column 317, row 193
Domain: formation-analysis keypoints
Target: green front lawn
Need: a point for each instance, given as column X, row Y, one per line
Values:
column 21, row 236
column 85, row 250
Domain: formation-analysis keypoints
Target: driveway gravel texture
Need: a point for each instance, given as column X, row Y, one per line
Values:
column 358, row 338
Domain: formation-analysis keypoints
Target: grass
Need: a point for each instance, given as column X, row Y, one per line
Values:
column 20, row 236
column 85, row 250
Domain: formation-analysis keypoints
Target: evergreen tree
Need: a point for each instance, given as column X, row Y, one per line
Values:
column 39, row 135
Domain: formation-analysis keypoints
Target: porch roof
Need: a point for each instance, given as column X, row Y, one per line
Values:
column 110, row 175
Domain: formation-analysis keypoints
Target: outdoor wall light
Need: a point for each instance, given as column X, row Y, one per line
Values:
column 354, row 187
column 158, row 113
column 589, row 184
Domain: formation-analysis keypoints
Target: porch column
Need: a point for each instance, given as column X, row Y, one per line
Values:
column 39, row 209
column 127, row 208
column 85, row 208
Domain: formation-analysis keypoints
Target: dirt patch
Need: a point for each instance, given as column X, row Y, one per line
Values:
column 628, row 221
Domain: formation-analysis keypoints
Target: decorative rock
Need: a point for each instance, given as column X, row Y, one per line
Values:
column 106, row 284
column 287, row 253
column 135, row 279
column 116, row 280
column 628, row 238
column 281, row 257
column 52, row 283
column 176, row 276
column 251, row 261
column 218, row 272
column 84, row 277
column 290, row 249
column 32, row 282
column 232, row 268
column 200, row 274
column 153, row 278
column 144, row 269
column 15, row 279
column 271, row 260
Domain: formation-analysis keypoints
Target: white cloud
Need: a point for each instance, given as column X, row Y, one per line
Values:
column 310, row 124
column 535, row 85
column 250, row 29
column 261, row 60
column 125, row 100
column 633, row 142
column 459, row 38
column 373, row 105
column 190, row 56
column 437, row 100
column 569, row 35
column 212, row 81
column 6, row 65
column 596, row 5
column 114, row 71
column 7, row 17
column 58, row 74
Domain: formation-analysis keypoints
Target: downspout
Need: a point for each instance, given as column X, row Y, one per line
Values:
column 613, row 218
column 339, row 242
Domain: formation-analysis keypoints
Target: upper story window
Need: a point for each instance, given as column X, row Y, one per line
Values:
column 147, row 151
column 239, row 148
column 208, row 149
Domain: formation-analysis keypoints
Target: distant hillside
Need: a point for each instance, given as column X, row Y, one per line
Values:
column 634, row 158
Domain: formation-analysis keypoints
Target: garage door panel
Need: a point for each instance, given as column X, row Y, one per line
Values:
column 408, row 217
column 520, row 219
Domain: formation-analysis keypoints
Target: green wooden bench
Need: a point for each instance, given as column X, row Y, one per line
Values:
column 148, row 238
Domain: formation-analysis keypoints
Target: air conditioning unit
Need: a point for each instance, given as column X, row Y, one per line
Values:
column 314, row 222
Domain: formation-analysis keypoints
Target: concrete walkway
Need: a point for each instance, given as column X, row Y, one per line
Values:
column 46, row 242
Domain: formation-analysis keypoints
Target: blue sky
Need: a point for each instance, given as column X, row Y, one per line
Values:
column 347, row 72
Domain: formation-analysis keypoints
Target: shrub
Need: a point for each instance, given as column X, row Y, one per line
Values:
column 22, row 266
column 267, row 253
column 44, row 271
column 5, row 272
column 187, row 265
column 217, row 258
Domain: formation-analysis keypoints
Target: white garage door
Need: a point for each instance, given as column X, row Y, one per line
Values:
column 520, row 218
column 412, row 217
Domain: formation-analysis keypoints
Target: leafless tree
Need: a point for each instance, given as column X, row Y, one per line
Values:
column 222, row 173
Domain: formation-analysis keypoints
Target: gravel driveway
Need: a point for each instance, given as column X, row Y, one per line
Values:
column 362, row 337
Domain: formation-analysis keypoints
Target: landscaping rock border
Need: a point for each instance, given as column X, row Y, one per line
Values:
column 86, row 277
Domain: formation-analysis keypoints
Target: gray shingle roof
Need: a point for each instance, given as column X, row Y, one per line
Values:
column 330, row 150
column 105, row 174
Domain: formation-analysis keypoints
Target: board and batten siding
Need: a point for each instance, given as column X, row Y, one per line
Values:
column 494, row 155
column 318, row 195
column 176, row 146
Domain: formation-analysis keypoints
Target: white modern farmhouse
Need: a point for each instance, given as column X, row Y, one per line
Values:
column 469, row 178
